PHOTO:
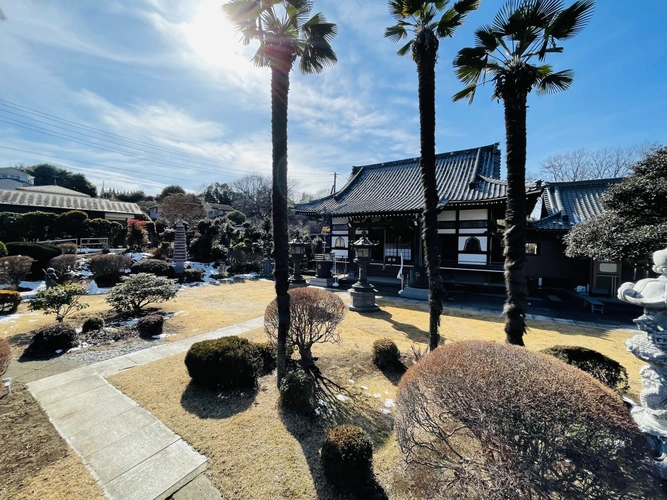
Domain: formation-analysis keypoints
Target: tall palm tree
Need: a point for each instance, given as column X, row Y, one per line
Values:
column 420, row 17
column 505, row 53
column 285, row 33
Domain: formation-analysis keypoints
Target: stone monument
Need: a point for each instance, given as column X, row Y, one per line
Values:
column 651, row 346
column 180, row 250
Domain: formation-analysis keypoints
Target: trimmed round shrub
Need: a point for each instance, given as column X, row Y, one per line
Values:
column 608, row 371
column 297, row 391
column 5, row 356
column 41, row 252
column 488, row 419
column 267, row 353
column 49, row 339
column 151, row 266
column 92, row 324
column 226, row 363
column 347, row 457
column 64, row 264
column 194, row 275
column 9, row 301
column 108, row 268
column 3, row 250
column 386, row 355
column 150, row 325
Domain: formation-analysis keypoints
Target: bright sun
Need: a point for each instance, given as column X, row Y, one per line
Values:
column 214, row 39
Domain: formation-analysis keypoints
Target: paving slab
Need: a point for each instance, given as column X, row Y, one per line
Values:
column 200, row 488
column 89, row 400
column 44, row 384
column 74, row 387
column 121, row 456
column 129, row 452
column 113, row 365
column 159, row 476
column 111, row 430
column 82, row 420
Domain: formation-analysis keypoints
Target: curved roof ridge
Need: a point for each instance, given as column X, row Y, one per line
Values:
column 606, row 180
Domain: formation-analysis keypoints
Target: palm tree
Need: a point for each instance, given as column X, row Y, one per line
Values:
column 420, row 16
column 505, row 53
column 285, row 33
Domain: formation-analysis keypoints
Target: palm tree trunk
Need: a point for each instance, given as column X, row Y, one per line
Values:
column 515, row 218
column 279, row 95
column 425, row 51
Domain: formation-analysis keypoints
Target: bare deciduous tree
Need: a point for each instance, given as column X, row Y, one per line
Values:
column 314, row 318
column 182, row 206
column 583, row 164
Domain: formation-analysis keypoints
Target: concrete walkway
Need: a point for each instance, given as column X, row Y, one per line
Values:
column 130, row 453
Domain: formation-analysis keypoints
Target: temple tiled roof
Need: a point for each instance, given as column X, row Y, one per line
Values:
column 467, row 177
column 565, row 204
column 49, row 200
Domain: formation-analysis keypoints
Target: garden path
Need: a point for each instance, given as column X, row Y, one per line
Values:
column 131, row 454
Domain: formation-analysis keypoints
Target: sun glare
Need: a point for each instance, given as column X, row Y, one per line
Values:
column 214, row 39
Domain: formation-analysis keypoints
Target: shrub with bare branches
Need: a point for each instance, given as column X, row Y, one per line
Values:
column 5, row 356
column 14, row 268
column 483, row 420
column 314, row 318
column 108, row 267
column 64, row 263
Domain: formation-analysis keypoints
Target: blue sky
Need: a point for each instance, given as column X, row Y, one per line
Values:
column 171, row 78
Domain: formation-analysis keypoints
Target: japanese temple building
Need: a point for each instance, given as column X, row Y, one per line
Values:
column 386, row 201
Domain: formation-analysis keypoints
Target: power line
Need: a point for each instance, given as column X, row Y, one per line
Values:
column 146, row 155
column 28, row 110
column 94, row 164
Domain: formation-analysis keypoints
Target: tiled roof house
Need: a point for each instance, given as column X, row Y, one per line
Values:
column 565, row 204
column 386, row 201
column 28, row 200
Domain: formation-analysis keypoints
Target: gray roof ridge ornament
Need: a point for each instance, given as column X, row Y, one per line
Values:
column 473, row 175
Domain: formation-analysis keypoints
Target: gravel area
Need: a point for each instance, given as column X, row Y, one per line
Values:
column 107, row 351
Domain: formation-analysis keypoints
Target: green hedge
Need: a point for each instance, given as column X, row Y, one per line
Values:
column 41, row 252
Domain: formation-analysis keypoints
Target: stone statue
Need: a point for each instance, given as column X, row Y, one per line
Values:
column 50, row 278
column 651, row 346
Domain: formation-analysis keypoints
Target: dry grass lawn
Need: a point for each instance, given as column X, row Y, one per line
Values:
column 35, row 462
column 256, row 452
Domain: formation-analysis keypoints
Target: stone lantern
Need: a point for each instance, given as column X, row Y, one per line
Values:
column 650, row 345
column 298, row 248
column 362, row 292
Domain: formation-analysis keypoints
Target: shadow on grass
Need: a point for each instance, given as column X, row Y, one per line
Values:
column 207, row 403
column 310, row 431
column 413, row 333
column 394, row 375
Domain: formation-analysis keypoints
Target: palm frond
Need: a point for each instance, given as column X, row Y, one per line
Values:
column 551, row 83
column 242, row 10
column 487, row 38
column 470, row 63
column 406, row 48
column 467, row 93
column 448, row 23
column 569, row 22
column 464, row 7
column 395, row 33
column 318, row 28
